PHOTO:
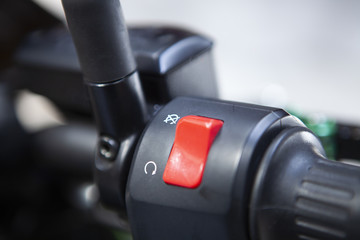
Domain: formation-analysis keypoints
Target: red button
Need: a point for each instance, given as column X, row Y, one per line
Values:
column 193, row 139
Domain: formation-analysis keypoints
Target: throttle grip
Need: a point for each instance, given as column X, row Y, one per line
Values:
column 299, row 194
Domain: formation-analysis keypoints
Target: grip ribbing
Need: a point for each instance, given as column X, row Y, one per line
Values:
column 327, row 202
column 299, row 194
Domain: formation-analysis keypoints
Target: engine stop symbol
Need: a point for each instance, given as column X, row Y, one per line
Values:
column 172, row 119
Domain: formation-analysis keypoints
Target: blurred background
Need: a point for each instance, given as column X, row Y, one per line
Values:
column 303, row 55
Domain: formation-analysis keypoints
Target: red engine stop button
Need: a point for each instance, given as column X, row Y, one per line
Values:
column 193, row 139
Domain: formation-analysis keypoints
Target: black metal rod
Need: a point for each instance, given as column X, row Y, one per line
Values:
column 101, row 39
column 102, row 43
column 108, row 65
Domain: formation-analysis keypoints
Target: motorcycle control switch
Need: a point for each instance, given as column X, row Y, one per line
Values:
column 193, row 139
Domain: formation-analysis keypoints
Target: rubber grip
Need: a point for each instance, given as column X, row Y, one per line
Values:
column 299, row 194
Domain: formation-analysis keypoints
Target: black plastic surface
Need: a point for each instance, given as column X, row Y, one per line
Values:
column 157, row 50
column 171, row 62
column 120, row 114
column 348, row 142
column 66, row 149
column 17, row 19
column 119, row 108
column 217, row 209
column 194, row 78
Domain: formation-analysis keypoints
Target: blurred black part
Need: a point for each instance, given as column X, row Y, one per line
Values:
column 171, row 62
column 348, row 141
column 13, row 138
column 160, row 49
column 37, row 208
column 46, row 195
column 66, row 149
column 17, row 19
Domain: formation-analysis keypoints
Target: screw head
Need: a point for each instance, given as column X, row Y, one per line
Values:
column 108, row 148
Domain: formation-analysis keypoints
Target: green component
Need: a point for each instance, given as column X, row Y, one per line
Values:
column 324, row 128
column 122, row 235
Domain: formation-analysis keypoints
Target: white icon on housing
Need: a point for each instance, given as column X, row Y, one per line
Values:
column 172, row 119
column 147, row 165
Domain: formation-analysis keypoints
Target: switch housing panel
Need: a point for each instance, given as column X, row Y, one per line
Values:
column 230, row 166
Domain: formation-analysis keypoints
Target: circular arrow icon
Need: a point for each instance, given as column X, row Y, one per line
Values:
column 150, row 163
